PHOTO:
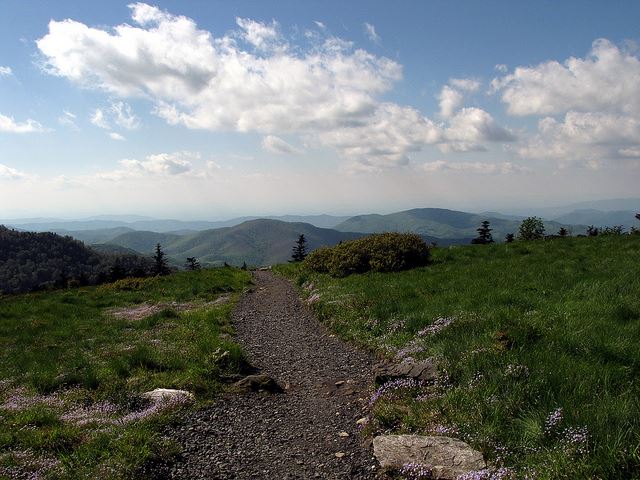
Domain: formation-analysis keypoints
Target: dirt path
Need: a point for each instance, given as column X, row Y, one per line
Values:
column 295, row 434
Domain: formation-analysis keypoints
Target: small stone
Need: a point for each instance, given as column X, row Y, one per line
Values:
column 343, row 434
column 340, row 454
column 341, row 382
column 362, row 421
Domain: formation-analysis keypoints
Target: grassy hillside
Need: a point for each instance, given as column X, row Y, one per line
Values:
column 256, row 242
column 440, row 223
column 538, row 344
column 73, row 364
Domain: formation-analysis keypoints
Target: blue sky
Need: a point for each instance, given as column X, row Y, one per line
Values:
column 207, row 109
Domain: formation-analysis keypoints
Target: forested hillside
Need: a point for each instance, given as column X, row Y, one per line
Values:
column 35, row 261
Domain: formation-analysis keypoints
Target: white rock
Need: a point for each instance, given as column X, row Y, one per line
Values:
column 167, row 394
column 446, row 457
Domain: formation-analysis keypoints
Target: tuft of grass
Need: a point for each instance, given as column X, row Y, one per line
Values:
column 70, row 371
column 532, row 327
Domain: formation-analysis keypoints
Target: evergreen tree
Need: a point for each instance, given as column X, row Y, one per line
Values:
column 299, row 249
column 563, row 232
column 484, row 234
column 160, row 266
column 531, row 228
column 509, row 238
column 192, row 264
column 592, row 231
column 244, row 266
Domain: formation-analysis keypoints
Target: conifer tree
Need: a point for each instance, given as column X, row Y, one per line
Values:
column 484, row 234
column 192, row 264
column 299, row 249
column 563, row 232
column 509, row 238
column 160, row 266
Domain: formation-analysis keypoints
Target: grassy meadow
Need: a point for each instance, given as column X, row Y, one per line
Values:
column 538, row 345
column 73, row 364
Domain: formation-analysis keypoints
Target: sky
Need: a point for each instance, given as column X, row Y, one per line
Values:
column 212, row 109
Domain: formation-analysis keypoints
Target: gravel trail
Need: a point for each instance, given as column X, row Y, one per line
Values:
column 295, row 434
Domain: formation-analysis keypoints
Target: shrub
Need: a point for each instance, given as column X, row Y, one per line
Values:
column 384, row 252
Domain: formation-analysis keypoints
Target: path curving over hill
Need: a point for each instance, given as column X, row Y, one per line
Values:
column 295, row 434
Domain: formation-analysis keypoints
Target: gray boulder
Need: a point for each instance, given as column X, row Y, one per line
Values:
column 446, row 457
column 423, row 370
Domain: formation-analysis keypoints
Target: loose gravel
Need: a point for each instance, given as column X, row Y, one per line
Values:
column 309, row 430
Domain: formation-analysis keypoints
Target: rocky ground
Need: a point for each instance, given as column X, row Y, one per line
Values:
column 307, row 431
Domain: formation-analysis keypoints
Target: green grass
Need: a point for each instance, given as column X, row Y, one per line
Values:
column 536, row 326
column 64, row 356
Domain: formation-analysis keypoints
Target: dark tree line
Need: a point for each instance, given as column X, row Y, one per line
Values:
column 36, row 261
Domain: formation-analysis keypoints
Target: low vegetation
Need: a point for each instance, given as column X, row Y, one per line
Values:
column 384, row 252
column 537, row 344
column 73, row 365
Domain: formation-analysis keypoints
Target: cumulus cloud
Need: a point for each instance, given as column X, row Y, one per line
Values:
column 470, row 128
column 274, row 144
column 504, row 168
column 606, row 80
column 5, row 71
column 9, row 125
column 451, row 96
column 370, row 31
column 585, row 136
column 8, row 173
column 590, row 106
column 162, row 164
column 118, row 113
column 253, row 80
column 386, row 139
column 501, row 67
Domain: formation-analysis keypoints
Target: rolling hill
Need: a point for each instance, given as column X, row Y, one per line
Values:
column 599, row 218
column 440, row 223
column 256, row 242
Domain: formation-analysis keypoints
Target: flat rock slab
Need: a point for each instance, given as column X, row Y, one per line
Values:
column 293, row 435
column 446, row 457
column 424, row 371
column 168, row 395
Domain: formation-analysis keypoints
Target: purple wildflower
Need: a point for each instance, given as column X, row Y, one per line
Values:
column 501, row 473
column 553, row 420
column 436, row 326
column 392, row 386
column 416, row 471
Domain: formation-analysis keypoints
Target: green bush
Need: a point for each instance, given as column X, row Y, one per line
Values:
column 384, row 252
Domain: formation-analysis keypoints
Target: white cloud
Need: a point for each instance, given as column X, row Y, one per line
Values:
column 501, row 67
column 504, row 168
column 465, row 84
column 470, row 128
column 450, row 100
column 5, row 71
column 68, row 119
column 386, row 139
column 585, row 137
column 9, row 125
column 124, row 116
column 370, row 30
column 260, row 35
column 99, row 120
column 116, row 136
column 274, row 144
column 162, row 164
column 606, row 80
column 8, row 173
column 319, row 24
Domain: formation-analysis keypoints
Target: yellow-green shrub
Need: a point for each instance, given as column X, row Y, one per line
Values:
column 383, row 252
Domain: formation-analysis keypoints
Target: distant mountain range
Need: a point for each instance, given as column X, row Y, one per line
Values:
column 260, row 241
column 442, row 223
column 256, row 242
